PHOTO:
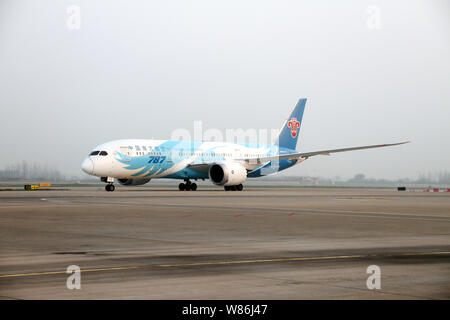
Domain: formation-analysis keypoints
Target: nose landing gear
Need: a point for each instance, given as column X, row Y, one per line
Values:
column 109, row 180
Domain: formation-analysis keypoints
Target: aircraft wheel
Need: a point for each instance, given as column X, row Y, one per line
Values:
column 181, row 187
column 233, row 188
column 193, row 186
column 239, row 187
column 110, row 187
column 227, row 188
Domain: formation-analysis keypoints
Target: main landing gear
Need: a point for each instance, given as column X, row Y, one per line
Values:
column 187, row 186
column 238, row 187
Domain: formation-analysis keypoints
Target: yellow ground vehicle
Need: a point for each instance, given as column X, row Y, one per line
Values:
column 36, row 186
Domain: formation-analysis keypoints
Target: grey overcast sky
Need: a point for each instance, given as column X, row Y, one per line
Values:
column 373, row 72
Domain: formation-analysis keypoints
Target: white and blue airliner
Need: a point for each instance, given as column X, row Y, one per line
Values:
column 137, row 161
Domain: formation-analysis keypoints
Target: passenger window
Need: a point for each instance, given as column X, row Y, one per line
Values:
column 94, row 153
column 103, row 153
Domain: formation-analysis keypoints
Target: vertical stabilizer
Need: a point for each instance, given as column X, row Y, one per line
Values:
column 290, row 131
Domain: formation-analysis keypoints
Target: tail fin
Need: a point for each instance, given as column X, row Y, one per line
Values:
column 288, row 136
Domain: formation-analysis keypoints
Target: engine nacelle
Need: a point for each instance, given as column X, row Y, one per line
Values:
column 133, row 182
column 227, row 174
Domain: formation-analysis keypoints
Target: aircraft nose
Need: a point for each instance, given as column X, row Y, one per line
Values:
column 87, row 166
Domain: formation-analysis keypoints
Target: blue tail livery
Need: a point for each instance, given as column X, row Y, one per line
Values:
column 290, row 131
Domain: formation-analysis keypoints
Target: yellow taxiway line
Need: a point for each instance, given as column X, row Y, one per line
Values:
column 212, row 263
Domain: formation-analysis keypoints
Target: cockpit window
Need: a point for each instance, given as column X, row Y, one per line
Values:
column 94, row 153
column 103, row 153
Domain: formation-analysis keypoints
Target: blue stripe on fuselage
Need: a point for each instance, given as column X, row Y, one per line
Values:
column 175, row 151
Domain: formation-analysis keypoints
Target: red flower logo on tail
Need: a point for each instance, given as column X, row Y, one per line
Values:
column 294, row 125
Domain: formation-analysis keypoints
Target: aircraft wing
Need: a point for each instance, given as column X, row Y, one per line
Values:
column 254, row 162
column 305, row 155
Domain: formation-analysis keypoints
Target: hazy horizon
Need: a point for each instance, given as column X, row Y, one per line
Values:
column 144, row 69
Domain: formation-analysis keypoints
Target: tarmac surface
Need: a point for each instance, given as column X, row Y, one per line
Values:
column 155, row 242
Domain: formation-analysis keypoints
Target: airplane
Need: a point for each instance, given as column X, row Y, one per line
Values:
column 136, row 161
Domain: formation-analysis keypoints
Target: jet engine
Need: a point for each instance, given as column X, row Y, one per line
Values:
column 227, row 174
column 133, row 182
